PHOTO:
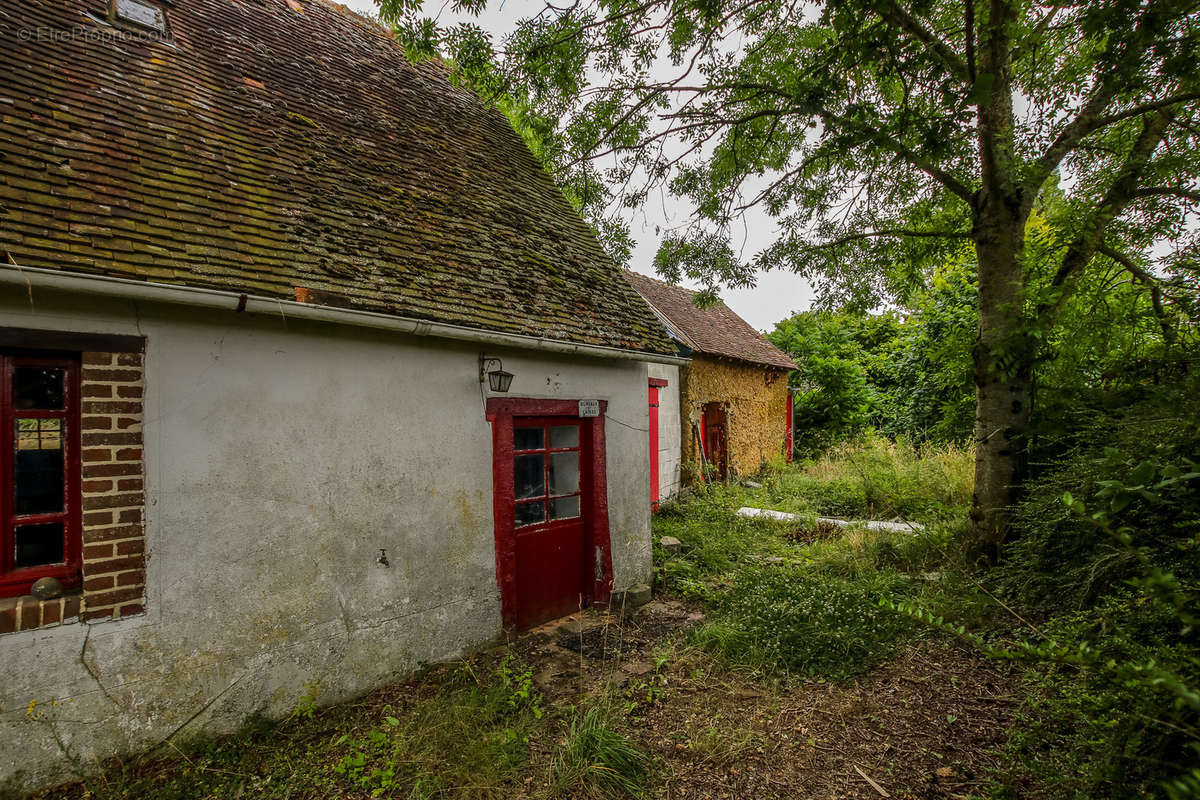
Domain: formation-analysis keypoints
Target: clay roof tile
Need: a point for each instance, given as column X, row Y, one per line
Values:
column 714, row 330
column 264, row 149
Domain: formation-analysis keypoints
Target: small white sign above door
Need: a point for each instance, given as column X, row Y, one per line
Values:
column 589, row 408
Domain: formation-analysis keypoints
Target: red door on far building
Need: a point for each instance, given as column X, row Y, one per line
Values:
column 548, row 518
column 715, row 439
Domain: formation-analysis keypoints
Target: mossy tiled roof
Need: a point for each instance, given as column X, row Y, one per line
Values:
column 276, row 145
column 714, row 330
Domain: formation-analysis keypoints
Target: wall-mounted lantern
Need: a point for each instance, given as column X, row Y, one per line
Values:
column 497, row 379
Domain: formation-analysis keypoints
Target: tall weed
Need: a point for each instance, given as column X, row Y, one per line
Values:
column 877, row 478
column 598, row 761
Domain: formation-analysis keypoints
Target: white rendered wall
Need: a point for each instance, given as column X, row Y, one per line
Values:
column 669, row 420
column 281, row 457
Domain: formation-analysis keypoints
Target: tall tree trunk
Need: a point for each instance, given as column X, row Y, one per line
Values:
column 1003, row 372
column 1003, row 361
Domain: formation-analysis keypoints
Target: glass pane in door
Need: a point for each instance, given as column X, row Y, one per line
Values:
column 38, row 388
column 38, row 480
column 40, row 544
column 529, row 476
column 564, row 507
column 564, row 473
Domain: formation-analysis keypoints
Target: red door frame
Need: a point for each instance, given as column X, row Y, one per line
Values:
column 655, row 385
column 500, row 413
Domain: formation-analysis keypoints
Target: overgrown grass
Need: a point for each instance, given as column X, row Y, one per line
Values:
column 809, row 600
column 876, row 478
column 470, row 739
column 462, row 730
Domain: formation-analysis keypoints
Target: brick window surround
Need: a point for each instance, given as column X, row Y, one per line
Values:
column 112, row 499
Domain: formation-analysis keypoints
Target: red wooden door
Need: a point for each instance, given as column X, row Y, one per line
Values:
column 549, row 518
column 716, row 439
column 788, row 442
column 654, row 446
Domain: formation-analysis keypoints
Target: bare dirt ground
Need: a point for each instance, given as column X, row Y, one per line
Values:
column 922, row 725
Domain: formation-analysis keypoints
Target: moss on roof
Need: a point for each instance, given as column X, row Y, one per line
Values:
column 263, row 149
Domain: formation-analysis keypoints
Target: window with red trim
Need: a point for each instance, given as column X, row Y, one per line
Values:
column 39, row 470
column 545, row 472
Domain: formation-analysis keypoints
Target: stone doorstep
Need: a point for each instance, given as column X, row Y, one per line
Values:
column 629, row 599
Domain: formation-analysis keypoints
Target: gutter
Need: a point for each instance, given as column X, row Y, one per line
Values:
column 126, row 288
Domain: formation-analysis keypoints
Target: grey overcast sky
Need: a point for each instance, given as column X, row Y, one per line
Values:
column 776, row 295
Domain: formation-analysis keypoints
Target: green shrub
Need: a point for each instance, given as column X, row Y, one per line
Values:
column 1063, row 559
column 832, row 404
column 1109, row 558
column 1112, row 724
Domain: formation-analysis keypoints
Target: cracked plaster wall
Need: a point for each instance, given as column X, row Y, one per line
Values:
column 281, row 456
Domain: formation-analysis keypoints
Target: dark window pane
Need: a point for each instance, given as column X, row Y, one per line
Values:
column 527, row 438
column 564, row 436
column 529, row 476
column 529, row 513
column 38, row 466
column 564, row 507
column 37, row 387
column 39, row 544
column 564, row 473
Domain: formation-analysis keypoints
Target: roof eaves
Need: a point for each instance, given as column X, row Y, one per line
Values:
column 757, row 362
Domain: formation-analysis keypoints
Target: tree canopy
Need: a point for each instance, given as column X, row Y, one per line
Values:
column 881, row 137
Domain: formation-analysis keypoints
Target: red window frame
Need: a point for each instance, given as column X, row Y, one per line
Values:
column 545, row 424
column 17, row 581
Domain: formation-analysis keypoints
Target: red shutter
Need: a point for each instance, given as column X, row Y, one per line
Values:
column 653, row 447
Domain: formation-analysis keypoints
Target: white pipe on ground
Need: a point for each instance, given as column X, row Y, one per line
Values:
column 872, row 525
